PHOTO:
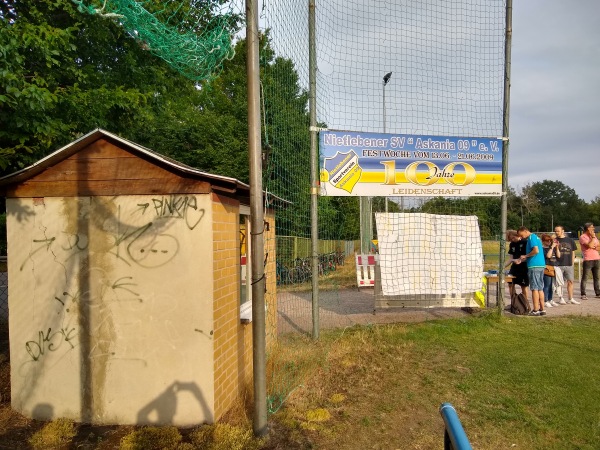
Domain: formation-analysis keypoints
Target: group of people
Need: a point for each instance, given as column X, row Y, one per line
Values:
column 545, row 264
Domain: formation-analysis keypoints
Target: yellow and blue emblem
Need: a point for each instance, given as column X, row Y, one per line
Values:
column 342, row 170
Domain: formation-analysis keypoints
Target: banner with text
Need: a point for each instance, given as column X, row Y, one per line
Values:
column 380, row 164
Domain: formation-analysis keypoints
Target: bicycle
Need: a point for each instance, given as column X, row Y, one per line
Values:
column 282, row 273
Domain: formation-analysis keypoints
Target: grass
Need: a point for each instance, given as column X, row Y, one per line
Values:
column 491, row 254
column 518, row 383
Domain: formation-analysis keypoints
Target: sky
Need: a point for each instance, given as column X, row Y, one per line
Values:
column 555, row 75
column 555, row 95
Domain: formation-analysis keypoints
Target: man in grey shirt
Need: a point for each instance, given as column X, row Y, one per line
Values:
column 565, row 263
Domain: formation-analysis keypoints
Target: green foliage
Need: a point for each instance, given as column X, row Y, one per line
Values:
column 205, row 126
column 286, row 139
column 515, row 382
column 487, row 209
column 63, row 73
column 548, row 203
column 31, row 72
column 594, row 211
column 55, row 434
column 152, row 438
column 515, row 217
column 347, row 219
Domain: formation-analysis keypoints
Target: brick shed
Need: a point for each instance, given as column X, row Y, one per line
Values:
column 126, row 303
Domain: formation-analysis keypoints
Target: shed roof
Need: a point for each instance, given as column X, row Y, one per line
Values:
column 220, row 183
column 226, row 183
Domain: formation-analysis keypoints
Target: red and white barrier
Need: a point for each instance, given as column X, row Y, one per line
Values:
column 243, row 266
column 365, row 270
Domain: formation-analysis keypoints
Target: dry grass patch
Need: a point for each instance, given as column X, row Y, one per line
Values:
column 223, row 436
column 55, row 434
column 152, row 438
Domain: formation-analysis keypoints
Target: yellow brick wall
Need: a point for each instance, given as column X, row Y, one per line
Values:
column 226, row 280
column 232, row 339
column 271, row 294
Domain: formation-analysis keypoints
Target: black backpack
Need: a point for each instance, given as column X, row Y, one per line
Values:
column 519, row 304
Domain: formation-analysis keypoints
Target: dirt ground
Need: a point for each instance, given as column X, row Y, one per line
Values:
column 337, row 309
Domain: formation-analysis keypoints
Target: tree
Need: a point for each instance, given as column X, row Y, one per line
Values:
column 515, row 216
column 64, row 73
column 487, row 210
column 29, row 91
column 593, row 213
column 552, row 203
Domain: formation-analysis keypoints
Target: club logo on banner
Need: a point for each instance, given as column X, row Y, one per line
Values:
column 377, row 164
column 342, row 171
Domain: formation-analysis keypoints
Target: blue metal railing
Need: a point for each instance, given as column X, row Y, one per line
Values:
column 455, row 437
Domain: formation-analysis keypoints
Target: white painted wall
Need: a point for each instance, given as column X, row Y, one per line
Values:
column 111, row 308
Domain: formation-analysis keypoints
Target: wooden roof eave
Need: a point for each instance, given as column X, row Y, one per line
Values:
column 226, row 185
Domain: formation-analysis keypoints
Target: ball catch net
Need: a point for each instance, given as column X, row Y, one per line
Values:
column 192, row 36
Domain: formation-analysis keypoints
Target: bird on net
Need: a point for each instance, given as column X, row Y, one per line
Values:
column 193, row 36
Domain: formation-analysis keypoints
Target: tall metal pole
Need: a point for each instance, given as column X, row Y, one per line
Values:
column 505, row 134
column 366, row 203
column 384, row 127
column 314, row 179
column 384, row 119
column 366, row 227
column 256, row 222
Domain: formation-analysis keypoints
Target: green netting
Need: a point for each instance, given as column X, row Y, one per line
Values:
column 447, row 60
column 192, row 36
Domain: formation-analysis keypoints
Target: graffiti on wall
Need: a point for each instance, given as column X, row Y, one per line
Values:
column 49, row 341
column 140, row 236
column 178, row 207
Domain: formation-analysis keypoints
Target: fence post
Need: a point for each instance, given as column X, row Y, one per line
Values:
column 295, row 247
column 455, row 437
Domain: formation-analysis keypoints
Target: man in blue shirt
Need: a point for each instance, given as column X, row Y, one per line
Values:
column 535, row 269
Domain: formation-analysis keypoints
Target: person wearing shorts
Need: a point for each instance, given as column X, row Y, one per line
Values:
column 518, row 269
column 565, row 263
column 535, row 269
